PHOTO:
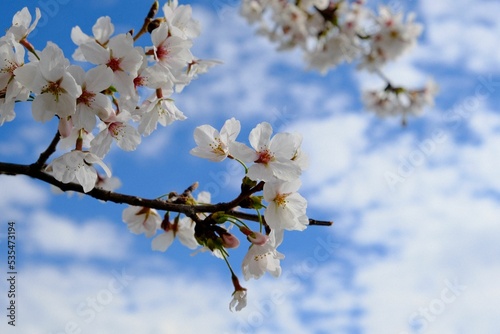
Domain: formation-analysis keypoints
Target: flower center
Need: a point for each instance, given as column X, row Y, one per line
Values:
column 161, row 52
column 86, row 98
column 54, row 88
column 261, row 256
column 280, row 200
column 217, row 147
column 115, row 129
column 264, row 157
column 114, row 64
column 139, row 82
column 10, row 67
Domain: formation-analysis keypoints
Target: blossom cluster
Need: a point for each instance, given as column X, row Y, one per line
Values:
column 107, row 103
column 394, row 101
column 332, row 32
column 276, row 165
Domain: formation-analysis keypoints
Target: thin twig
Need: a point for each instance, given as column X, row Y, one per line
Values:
column 255, row 218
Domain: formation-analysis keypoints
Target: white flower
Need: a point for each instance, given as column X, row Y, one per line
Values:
column 320, row 4
column 252, row 10
column 49, row 78
column 332, row 51
column 116, row 128
column 382, row 102
column 293, row 22
column 299, row 156
column 102, row 30
column 239, row 300
column 421, row 98
column 11, row 58
column 171, row 52
column 183, row 229
column 395, row 37
column 400, row 101
column 141, row 220
column 156, row 110
column 195, row 67
column 154, row 77
column 272, row 157
column 260, row 259
column 287, row 208
column 92, row 102
column 120, row 56
column 108, row 183
column 7, row 113
column 180, row 21
column 213, row 145
column 76, row 166
column 21, row 27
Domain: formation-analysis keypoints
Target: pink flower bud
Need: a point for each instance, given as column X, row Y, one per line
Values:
column 65, row 127
column 257, row 238
column 230, row 241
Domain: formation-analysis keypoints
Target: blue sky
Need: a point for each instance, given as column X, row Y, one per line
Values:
column 417, row 256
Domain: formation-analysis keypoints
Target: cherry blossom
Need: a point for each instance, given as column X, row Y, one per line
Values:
column 49, row 78
column 239, row 300
column 183, row 229
column 120, row 56
column 102, row 30
column 11, row 58
column 160, row 110
column 213, row 145
column 180, row 21
column 171, row 52
column 393, row 39
column 92, row 102
column 108, row 183
column 299, row 157
column 141, row 220
column 260, row 259
column 22, row 25
column 394, row 101
column 272, row 156
column 320, row 4
column 116, row 128
column 76, row 166
column 287, row 208
column 195, row 67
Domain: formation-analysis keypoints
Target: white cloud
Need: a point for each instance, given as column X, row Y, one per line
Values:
column 119, row 300
column 55, row 235
column 18, row 193
column 460, row 33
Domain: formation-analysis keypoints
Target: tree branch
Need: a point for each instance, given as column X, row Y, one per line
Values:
column 158, row 204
